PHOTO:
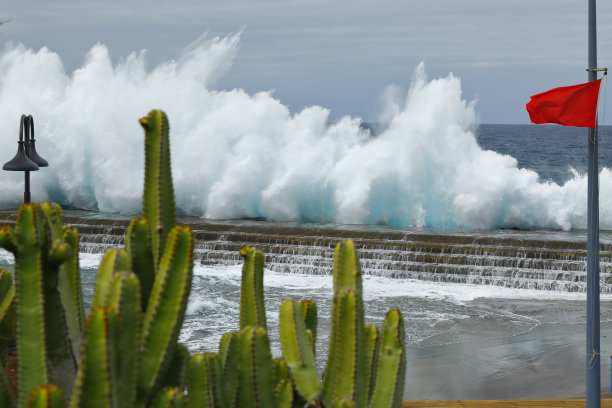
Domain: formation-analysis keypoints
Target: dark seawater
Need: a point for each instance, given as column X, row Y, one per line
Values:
column 549, row 150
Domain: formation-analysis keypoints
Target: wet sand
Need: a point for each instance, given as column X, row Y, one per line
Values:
column 547, row 361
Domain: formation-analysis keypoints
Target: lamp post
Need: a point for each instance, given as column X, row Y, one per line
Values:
column 26, row 159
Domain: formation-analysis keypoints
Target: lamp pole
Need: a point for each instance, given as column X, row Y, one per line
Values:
column 26, row 159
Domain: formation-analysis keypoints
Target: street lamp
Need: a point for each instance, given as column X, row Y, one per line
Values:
column 26, row 159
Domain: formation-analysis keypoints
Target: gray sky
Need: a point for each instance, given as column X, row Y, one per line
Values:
column 339, row 54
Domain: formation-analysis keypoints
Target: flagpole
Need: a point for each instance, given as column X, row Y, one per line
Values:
column 593, row 369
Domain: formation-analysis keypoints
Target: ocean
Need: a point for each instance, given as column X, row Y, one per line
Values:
column 474, row 231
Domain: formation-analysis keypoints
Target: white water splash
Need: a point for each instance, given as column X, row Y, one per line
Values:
column 241, row 155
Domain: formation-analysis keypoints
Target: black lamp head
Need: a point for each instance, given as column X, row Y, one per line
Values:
column 32, row 154
column 20, row 162
column 35, row 157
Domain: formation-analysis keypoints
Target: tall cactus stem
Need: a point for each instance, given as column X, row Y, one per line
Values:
column 113, row 261
column 166, row 311
column 255, row 368
column 228, row 357
column 7, row 313
column 176, row 375
column 252, row 310
column 140, row 252
column 32, row 367
column 347, row 268
column 93, row 386
column 344, row 373
column 298, row 351
column 69, row 286
column 391, row 371
column 158, row 197
column 124, row 298
column 284, row 394
column 199, row 384
column 309, row 312
column 371, row 356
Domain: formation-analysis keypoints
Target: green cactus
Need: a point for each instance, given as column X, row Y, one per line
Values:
column 71, row 295
column 129, row 355
column 113, row 261
column 199, row 383
column 283, row 394
column 169, row 398
column 178, row 368
column 7, row 333
column 214, row 372
column 228, row 357
column 347, row 268
column 46, row 396
column 353, row 370
column 371, row 357
column 297, row 345
column 60, row 352
column 391, row 370
column 30, row 320
column 166, row 311
column 252, row 310
column 256, row 386
column 139, row 250
column 158, row 198
column 7, row 312
column 343, row 403
column 309, row 312
column 281, row 370
column 124, row 299
column 129, row 350
column 46, row 334
column 94, row 386
column 345, row 371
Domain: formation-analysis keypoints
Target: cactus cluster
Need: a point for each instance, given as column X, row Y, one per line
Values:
column 126, row 353
column 365, row 368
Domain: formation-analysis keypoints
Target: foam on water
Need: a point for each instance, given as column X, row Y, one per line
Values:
column 430, row 309
column 240, row 155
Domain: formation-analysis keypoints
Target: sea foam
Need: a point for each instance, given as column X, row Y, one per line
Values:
column 236, row 154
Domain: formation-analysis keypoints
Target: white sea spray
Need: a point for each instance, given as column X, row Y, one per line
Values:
column 236, row 154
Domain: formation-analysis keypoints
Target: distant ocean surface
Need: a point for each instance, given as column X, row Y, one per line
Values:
column 552, row 151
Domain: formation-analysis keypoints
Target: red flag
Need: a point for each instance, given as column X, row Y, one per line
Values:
column 574, row 105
